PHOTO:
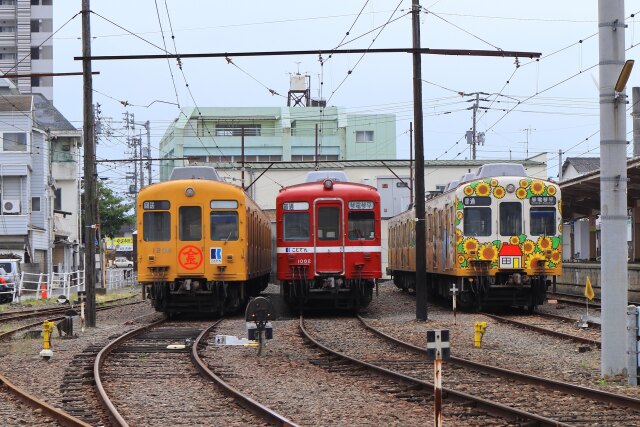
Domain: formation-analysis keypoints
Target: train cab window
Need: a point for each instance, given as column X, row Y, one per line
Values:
column 361, row 225
column 543, row 221
column 156, row 226
column 328, row 223
column 224, row 225
column 295, row 226
column 190, row 219
column 510, row 218
column 477, row 221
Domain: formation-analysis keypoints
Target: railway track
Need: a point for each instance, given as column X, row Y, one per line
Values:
column 526, row 395
column 546, row 329
column 407, row 373
column 147, row 362
column 42, row 410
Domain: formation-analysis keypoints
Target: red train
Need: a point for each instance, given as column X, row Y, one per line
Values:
column 328, row 242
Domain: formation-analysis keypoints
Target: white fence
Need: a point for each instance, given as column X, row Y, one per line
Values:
column 37, row 285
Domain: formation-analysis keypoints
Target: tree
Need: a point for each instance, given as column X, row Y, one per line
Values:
column 113, row 211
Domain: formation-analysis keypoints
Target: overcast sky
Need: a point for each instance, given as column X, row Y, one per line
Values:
column 560, row 91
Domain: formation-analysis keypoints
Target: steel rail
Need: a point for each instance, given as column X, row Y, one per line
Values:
column 114, row 415
column 544, row 330
column 260, row 410
column 564, row 318
column 63, row 417
column 494, row 408
column 602, row 396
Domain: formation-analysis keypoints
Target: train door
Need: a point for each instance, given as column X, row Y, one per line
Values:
column 190, row 243
column 329, row 236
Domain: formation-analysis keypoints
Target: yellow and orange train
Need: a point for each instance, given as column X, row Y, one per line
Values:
column 496, row 237
column 203, row 245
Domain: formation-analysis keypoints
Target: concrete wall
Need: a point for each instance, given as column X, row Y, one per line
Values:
column 574, row 279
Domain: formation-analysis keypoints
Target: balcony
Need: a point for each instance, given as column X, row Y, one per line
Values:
column 14, row 225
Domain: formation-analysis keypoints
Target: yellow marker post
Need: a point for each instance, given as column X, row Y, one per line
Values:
column 479, row 328
column 47, row 330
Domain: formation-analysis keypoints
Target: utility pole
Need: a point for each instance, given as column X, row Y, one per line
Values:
column 613, row 186
column 411, row 163
column 473, row 137
column 560, row 165
column 90, row 199
column 635, row 114
column 140, row 159
column 526, row 146
column 147, row 126
column 421, row 249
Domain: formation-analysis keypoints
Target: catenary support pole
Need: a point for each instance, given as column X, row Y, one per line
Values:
column 635, row 114
column 421, row 250
column 613, row 187
column 90, row 197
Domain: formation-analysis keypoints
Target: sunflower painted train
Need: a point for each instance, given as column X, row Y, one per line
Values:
column 496, row 236
column 203, row 245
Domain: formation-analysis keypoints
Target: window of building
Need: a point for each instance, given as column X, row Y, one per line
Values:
column 190, row 227
column 10, row 28
column 362, row 225
column 477, row 221
column 224, row 225
column 57, row 199
column 8, row 56
column 295, row 226
column 364, row 136
column 156, row 226
column 35, row 81
column 543, row 221
column 236, row 130
column 47, row 2
column 35, row 53
column 510, row 218
column 35, row 26
column 7, row 2
column 14, row 141
column 35, row 204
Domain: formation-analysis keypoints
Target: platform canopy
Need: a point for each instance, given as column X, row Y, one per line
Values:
column 581, row 195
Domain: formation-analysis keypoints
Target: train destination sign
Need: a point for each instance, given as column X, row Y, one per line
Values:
column 360, row 204
column 543, row 201
column 476, row 201
column 156, row 205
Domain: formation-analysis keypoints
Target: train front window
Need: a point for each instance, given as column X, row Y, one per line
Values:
column 329, row 223
column 543, row 221
column 295, row 226
column 190, row 223
column 224, row 225
column 510, row 218
column 477, row 221
column 156, row 226
column 361, row 225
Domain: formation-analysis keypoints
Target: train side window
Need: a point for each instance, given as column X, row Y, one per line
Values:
column 295, row 226
column 328, row 223
column 477, row 221
column 190, row 223
column 510, row 218
column 224, row 225
column 543, row 221
column 361, row 225
column 156, row 226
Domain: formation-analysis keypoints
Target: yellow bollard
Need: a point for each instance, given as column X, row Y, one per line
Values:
column 47, row 330
column 479, row 328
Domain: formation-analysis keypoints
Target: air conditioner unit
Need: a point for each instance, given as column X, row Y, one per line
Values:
column 11, row 206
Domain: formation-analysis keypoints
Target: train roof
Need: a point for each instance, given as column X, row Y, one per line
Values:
column 317, row 176
column 195, row 172
column 501, row 169
column 308, row 188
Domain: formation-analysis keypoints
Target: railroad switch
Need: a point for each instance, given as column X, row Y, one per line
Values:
column 47, row 330
column 479, row 328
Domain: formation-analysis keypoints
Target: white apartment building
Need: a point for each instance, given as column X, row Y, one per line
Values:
column 25, row 26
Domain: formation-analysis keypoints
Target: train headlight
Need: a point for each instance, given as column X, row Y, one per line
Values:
column 511, row 188
column 328, row 184
column 189, row 192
